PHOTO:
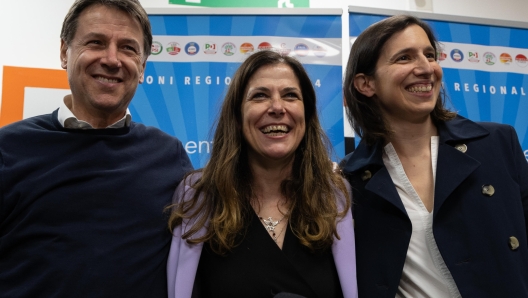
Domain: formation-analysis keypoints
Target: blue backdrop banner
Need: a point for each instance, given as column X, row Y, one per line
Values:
column 194, row 58
column 485, row 69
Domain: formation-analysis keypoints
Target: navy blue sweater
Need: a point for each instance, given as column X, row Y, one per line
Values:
column 81, row 211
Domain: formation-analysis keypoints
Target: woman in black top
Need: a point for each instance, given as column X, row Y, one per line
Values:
column 263, row 216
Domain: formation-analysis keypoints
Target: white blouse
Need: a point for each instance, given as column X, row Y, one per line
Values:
column 424, row 274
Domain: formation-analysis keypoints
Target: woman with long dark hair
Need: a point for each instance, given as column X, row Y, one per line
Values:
column 267, row 214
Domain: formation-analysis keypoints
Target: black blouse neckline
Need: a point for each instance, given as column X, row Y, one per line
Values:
column 257, row 267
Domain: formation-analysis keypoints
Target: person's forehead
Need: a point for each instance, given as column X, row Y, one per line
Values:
column 400, row 37
column 104, row 16
column 106, row 11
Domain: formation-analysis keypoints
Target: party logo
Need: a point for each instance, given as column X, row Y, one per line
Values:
column 156, row 48
column 457, row 55
column 210, row 48
column 489, row 58
column 246, row 48
column 505, row 58
column 521, row 60
column 173, row 48
column 265, row 46
column 192, row 48
column 283, row 49
column 228, row 48
column 473, row 57
column 441, row 55
column 301, row 49
column 319, row 51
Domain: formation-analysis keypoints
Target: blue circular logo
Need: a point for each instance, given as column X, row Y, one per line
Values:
column 457, row 55
column 192, row 48
column 301, row 49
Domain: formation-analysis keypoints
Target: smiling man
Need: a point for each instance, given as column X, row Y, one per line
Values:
column 83, row 189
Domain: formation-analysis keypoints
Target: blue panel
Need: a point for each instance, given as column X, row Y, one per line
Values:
column 198, row 25
column 328, row 27
column 441, row 29
column 359, row 22
column 518, row 38
column 220, row 25
column 157, row 24
column 479, row 34
column 242, row 25
column 175, row 25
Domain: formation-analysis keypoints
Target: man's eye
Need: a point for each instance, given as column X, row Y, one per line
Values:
column 130, row 48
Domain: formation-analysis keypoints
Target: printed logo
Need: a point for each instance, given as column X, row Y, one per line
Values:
column 283, row 50
column 457, row 55
column 210, row 48
column 228, row 48
column 521, row 60
column 246, row 48
column 319, row 51
column 489, row 58
column 265, row 46
column 192, row 48
column 473, row 57
column 505, row 58
column 173, row 48
column 442, row 56
column 301, row 49
column 156, row 48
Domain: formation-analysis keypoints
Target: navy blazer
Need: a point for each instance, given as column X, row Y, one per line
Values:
column 481, row 231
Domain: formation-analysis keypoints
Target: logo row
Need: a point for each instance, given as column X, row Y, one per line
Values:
column 230, row 49
column 488, row 58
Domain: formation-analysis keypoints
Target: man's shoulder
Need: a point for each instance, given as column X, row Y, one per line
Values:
column 152, row 133
column 27, row 125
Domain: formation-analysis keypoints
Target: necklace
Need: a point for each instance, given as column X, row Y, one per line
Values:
column 270, row 225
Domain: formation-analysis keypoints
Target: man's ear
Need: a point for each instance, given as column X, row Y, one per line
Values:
column 364, row 84
column 64, row 54
column 142, row 76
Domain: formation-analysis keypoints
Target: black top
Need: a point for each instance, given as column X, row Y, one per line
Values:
column 81, row 211
column 259, row 268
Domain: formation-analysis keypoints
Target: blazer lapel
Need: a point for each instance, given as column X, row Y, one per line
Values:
column 454, row 166
column 370, row 158
column 381, row 184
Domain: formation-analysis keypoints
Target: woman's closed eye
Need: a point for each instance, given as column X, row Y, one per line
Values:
column 259, row 96
column 291, row 96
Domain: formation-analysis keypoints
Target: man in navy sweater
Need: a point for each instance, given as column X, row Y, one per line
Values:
column 83, row 190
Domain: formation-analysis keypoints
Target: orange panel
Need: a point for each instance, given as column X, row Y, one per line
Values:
column 16, row 79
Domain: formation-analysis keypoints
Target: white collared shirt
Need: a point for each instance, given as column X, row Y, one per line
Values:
column 68, row 120
column 425, row 273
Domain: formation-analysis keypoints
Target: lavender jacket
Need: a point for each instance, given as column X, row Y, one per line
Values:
column 184, row 257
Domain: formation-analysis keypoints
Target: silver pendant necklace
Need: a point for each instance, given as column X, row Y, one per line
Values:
column 270, row 225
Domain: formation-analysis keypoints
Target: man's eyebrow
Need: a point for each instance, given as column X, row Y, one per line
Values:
column 103, row 36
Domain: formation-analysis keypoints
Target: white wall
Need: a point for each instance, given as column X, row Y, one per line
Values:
column 29, row 29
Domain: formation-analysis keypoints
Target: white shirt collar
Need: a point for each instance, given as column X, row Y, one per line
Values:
column 68, row 120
